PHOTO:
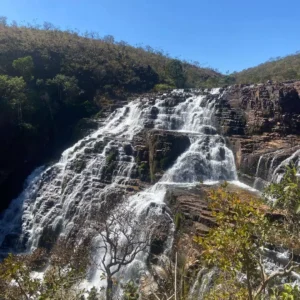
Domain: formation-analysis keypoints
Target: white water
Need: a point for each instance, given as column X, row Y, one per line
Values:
column 203, row 282
column 280, row 169
column 61, row 201
column 257, row 173
column 270, row 168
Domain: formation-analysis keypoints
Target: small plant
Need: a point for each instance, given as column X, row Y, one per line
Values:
column 289, row 292
column 286, row 193
column 130, row 291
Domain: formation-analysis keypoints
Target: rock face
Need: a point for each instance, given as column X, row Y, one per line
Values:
column 156, row 151
column 258, row 109
column 262, row 126
column 190, row 209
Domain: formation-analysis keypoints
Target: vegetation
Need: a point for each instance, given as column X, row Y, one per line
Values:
column 286, row 193
column 65, row 269
column 277, row 69
column 244, row 230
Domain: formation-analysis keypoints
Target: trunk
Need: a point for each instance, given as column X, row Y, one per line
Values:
column 249, row 285
column 109, row 288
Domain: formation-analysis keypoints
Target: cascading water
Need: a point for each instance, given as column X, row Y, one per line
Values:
column 266, row 165
column 280, row 169
column 271, row 166
column 93, row 174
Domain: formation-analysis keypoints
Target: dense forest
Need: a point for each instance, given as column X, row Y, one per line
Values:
column 51, row 81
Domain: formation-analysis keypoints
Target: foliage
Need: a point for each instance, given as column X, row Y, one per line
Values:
column 93, row 294
column 286, row 193
column 163, row 87
column 24, row 66
column 239, row 240
column 284, row 197
column 65, row 85
column 130, row 291
column 66, row 268
column 176, row 73
column 227, row 287
column 243, row 231
column 288, row 293
column 278, row 69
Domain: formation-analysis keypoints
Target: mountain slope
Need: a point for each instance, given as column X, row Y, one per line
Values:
column 281, row 69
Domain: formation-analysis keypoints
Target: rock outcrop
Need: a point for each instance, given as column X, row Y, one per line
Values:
column 262, row 126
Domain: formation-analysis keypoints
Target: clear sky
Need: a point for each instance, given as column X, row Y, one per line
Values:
column 228, row 35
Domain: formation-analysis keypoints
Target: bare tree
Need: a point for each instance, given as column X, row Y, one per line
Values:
column 122, row 237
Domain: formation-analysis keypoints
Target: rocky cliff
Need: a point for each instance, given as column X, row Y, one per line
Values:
column 262, row 126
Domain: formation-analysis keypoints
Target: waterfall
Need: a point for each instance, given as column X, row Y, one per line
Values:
column 280, row 169
column 271, row 166
column 93, row 174
column 257, row 179
column 203, row 282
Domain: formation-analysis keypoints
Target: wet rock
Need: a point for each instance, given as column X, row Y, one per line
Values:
column 164, row 148
column 154, row 112
column 209, row 130
column 128, row 149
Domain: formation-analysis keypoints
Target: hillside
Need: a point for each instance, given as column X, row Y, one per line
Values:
column 51, row 81
column 280, row 69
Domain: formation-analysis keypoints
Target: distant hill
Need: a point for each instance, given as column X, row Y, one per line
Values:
column 279, row 69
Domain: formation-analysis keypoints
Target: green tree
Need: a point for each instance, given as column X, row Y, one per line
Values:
column 288, row 293
column 66, row 86
column 243, row 231
column 176, row 73
column 12, row 95
column 24, row 66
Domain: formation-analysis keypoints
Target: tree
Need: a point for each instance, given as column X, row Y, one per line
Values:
column 122, row 238
column 3, row 21
column 243, row 230
column 175, row 72
column 109, row 39
column 24, row 66
column 12, row 95
column 65, row 86
column 48, row 26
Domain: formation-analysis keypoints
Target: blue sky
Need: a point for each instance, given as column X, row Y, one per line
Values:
column 228, row 35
